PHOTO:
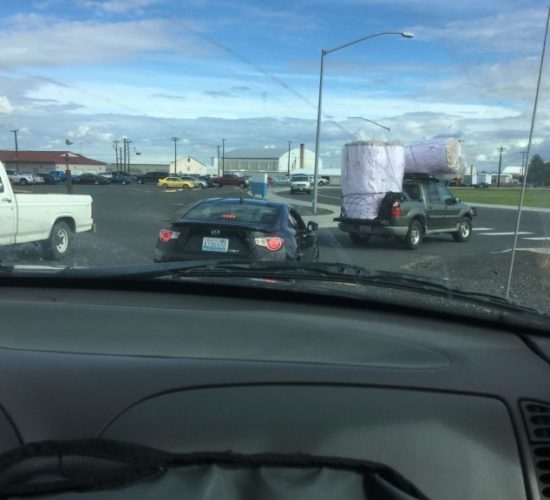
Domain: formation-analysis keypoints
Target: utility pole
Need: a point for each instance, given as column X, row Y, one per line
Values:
column 499, row 164
column 523, row 162
column 223, row 156
column 175, row 139
column 124, row 154
column 128, row 142
column 115, row 146
column 218, row 162
column 288, row 165
column 14, row 132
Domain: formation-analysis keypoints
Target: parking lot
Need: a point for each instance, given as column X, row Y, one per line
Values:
column 128, row 220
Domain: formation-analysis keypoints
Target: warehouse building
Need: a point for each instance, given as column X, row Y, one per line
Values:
column 268, row 160
column 189, row 166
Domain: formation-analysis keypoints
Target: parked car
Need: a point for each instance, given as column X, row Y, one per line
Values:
column 300, row 183
column 122, row 178
column 19, row 178
column 48, row 178
column 482, row 185
column 230, row 180
column 91, row 179
column 281, row 181
column 243, row 229
column 175, row 182
column 197, row 181
column 37, row 179
column 58, row 175
column 150, row 177
column 321, row 181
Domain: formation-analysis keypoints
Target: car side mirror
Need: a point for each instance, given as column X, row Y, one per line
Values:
column 312, row 226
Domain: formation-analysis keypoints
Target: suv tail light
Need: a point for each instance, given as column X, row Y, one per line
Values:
column 272, row 243
column 396, row 209
column 166, row 235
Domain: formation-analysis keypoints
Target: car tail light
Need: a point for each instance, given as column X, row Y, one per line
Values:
column 272, row 243
column 166, row 235
column 396, row 209
column 229, row 216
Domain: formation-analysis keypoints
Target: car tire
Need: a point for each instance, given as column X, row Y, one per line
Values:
column 413, row 239
column 464, row 232
column 59, row 244
column 139, row 181
column 23, row 182
column 358, row 240
column 96, row 183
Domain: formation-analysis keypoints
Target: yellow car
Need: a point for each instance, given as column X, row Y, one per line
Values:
column 175, row 182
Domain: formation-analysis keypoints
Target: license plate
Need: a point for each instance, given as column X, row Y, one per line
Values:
column 215, row 244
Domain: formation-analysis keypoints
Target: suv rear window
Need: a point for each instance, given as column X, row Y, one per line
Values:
column 300, row 178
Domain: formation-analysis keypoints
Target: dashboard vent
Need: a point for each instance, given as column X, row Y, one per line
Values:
column 537, row 421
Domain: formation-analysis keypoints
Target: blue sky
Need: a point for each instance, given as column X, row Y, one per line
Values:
column 94, row 71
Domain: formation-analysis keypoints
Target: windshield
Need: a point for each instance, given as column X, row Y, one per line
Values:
column 420, row 130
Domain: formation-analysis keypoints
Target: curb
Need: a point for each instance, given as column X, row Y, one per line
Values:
column 324, row 220
column 508, row 207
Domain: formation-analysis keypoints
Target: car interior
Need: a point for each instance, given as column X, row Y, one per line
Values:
column 455, row 409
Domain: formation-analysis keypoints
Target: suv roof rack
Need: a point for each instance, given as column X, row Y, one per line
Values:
column 420, row 176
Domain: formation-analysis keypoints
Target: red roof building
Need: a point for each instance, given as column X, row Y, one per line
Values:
column 46, row 161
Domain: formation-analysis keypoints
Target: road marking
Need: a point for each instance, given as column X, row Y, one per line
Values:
column 482, row 229
column 538, row 238
column 511, row 233
column 540, row 250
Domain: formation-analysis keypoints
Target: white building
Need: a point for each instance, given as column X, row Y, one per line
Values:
column 189, row 165
column 28, row 162
column 269, row 160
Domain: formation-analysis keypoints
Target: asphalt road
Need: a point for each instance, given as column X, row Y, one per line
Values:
column 129, row 218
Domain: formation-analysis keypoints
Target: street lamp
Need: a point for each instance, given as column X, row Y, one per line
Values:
column 324, row 52
column 175, row 139
column 370, row 121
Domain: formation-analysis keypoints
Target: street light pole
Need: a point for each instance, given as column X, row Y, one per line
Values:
column 499, row 164
column 370, row 121
column 175, row 139
column 324, row 52
column 218, row 162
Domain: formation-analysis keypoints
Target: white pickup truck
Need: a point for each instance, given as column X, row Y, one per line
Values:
column 51, row 219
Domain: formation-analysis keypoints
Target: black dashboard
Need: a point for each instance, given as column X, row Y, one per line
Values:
column 458, row 409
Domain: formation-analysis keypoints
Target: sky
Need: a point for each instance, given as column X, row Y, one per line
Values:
column 95, row 71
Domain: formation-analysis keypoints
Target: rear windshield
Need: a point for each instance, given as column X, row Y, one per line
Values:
column 267, row 215
column 300, row 178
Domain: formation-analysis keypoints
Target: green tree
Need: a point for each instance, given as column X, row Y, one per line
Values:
column 539, row 171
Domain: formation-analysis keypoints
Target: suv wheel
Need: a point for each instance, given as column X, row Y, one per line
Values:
column 464, row 230
column 413, row 240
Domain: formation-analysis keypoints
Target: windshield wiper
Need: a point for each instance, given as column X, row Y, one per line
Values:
column 293, row 271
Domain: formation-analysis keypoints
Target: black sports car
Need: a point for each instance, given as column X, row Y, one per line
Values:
column 240, row 229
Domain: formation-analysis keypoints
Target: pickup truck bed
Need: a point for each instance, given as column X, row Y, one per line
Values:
column 424, row 207
column 51, row 219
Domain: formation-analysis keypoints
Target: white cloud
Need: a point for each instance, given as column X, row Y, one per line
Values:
column 5, row 106
column 35, row 40
column 519, row 30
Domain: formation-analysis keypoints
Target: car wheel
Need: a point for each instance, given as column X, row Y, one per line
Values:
column 413, row 240
column 357, row 239
column 58, row 245
column 96, row 183
column 140, row 181
column 23, row 182
column 464, row 230
column 124, row 183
